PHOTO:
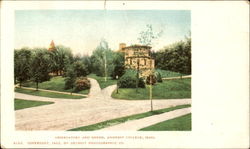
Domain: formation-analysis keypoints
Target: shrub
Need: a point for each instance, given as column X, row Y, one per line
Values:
column 70, row 77
column 82, row 83
column 128, row 80
column 158, row 77
column 69, row 83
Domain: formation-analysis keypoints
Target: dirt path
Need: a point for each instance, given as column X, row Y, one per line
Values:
column 66, row 114
column 144, row 122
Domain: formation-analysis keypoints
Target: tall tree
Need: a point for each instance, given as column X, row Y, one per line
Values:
column 175, row 57
column 70, row 78
column 87, row 62
column 60, row 57
column 80, row 69
column 65, row 57
column 40, row 66
column 102, row 60
column 119, row 68
column 22, row 61
column 148, row 36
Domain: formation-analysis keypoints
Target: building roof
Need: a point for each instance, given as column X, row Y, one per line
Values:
column 138, row 46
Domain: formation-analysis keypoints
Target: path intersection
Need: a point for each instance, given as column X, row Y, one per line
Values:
column 99, row 106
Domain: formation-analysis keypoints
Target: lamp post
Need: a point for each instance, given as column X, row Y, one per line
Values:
column 117, row 86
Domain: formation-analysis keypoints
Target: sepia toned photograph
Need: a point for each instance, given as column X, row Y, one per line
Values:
column 102, row 70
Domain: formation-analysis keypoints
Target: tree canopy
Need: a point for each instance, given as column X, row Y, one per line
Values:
column 40, row 66
column 22, row 61
column 102, row 60
column 175, row 57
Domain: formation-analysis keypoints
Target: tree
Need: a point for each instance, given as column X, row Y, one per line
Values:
column 22, row 61
column 40, row 66
column 54, row 61
column 147, row 36
column 80, row 69
column 70, row 78
column 175, row 57
column 60, row 57
column 87, row 62
column 102, row 60
column 119, row 68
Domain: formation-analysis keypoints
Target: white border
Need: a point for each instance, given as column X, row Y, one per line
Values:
column 220, row 75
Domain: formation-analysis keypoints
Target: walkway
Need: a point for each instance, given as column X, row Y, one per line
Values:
column 145, row 122
column 66, row 114
column 173, row 78
column 52, row 91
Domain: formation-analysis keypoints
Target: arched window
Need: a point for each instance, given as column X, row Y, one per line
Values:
column 145, row 62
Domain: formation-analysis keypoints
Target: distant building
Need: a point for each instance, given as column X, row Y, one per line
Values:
column 52, row 46
column 138, row 57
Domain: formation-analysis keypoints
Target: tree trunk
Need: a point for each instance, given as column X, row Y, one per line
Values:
column 20, row 85
column 71, row 90
column 150, row 93
column 36, row 85
column 137, row 76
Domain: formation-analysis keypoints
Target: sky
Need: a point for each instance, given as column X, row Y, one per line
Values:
column 82, row 30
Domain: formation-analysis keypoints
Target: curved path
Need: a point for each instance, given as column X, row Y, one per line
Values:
column 66, row 114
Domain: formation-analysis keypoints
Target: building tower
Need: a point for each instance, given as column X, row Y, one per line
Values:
column 52, row 46
column 121, row 47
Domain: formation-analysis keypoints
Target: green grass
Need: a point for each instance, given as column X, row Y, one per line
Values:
column 22, row 104
column 168, row 89
column 116, row 121
column 101, row 81
column 47, row 94
column 55, row 83
column 168, row 74
column 182, row 123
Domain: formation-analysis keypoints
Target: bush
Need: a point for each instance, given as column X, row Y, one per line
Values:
column 69, row 83
column 158, row 77
column 70, row 77
column 128, row 80
column 82, row 83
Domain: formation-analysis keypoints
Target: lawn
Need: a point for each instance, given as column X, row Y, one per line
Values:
column 116, row 121
column 22, row 104
column 102, row 82
column 168, row 89
column 47, row 94
column 182, row 123
column 168, row 74
column 55, row 83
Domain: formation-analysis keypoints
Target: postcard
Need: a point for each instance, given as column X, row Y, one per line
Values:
column 124, row 74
